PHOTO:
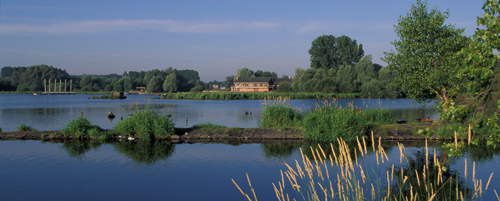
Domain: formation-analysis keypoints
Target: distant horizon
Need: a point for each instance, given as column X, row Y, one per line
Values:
column 214, row 38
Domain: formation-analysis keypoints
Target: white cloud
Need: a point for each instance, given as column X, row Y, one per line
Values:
column 98, row 26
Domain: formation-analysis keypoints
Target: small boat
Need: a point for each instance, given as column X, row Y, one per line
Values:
column 35, row 94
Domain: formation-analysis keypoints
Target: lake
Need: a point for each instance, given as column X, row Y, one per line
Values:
column 35, row 170
column 52, row 112
column 138, row 170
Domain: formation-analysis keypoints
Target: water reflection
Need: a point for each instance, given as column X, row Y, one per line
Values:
column 78, row 148
column 413, row 178
column 145, row 152
column 280, row 150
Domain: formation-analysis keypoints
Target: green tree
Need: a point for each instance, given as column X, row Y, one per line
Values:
column 170, row 83
column 284, row 87
column 426, row 55
column 244, row 72
column 328, row 52
column 345, row 79
column 154, row 85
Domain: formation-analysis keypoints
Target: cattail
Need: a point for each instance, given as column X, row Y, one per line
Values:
column 373, row 143
column 488, row 181
column 418, row 179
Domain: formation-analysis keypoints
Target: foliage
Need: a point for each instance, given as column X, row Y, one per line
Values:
column 23, row 127
column 328, row 52
column 198, row 88
column 328, row 123
column 448, row 131
column 147, row 125
column 279, row 114
column 82, row 128
column 170, row 84
column 426, row 55
column 284, row 87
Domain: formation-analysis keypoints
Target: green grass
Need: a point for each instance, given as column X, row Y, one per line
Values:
column 328, row 123
column 279, row 114
column 207, row 125
column 147, row 125
column 23, row 127
column 82, row 128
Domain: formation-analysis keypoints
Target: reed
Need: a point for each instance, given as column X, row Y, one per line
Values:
column 320, row 178
column 279, row 113
column 327, row 123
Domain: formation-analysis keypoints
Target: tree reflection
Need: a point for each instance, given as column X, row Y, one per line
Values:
column 78, row 148
column 281, row 150
column 147, row 152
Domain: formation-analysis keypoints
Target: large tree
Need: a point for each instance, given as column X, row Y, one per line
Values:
column 426, row 54
column 328, row 52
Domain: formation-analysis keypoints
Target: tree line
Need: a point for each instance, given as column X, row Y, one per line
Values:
column 156, row 81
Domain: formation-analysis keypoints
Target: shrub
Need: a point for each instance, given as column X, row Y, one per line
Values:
column 146, row 124
column 279, row 115
column 81, row 127
column 329, row 123
column 23, row 127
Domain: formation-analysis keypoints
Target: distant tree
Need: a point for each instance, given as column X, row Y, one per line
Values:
column 229, row 82
column 426, row 55
column 155, row 85
column 285, row 76
column 244, row 72
column 284, row 87
column 377, row 67
column 345, row 79
column 198, row 88
column 128, row 84
column 118, row 86
column 364, row 72
column 170, row 84
column 326, row 85
column 328, row 52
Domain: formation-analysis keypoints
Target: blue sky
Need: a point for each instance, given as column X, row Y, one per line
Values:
column 213, row 37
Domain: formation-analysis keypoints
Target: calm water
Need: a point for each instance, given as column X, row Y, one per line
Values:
column 33, row 170
column 76, row 170
column 53, row 112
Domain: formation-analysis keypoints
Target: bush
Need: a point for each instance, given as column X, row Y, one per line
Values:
column 81, row 127
column 23, row 127
column 329, row 123
column 208, row 125
column 146, row 124
column 279, row 115
column 198, row 88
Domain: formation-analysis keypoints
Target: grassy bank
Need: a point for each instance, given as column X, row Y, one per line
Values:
column 255, row 96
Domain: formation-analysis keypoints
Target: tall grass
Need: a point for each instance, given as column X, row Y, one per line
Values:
column 279, row 114
column 82, row 128
column 343, row 176
column 23, row 127
column 255, row 96
column 328, row 123
column 147, row 125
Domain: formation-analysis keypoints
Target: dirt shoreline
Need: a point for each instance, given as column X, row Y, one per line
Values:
column 397, row 132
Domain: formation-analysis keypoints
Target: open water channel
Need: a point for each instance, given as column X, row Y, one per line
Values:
column 84, row 170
